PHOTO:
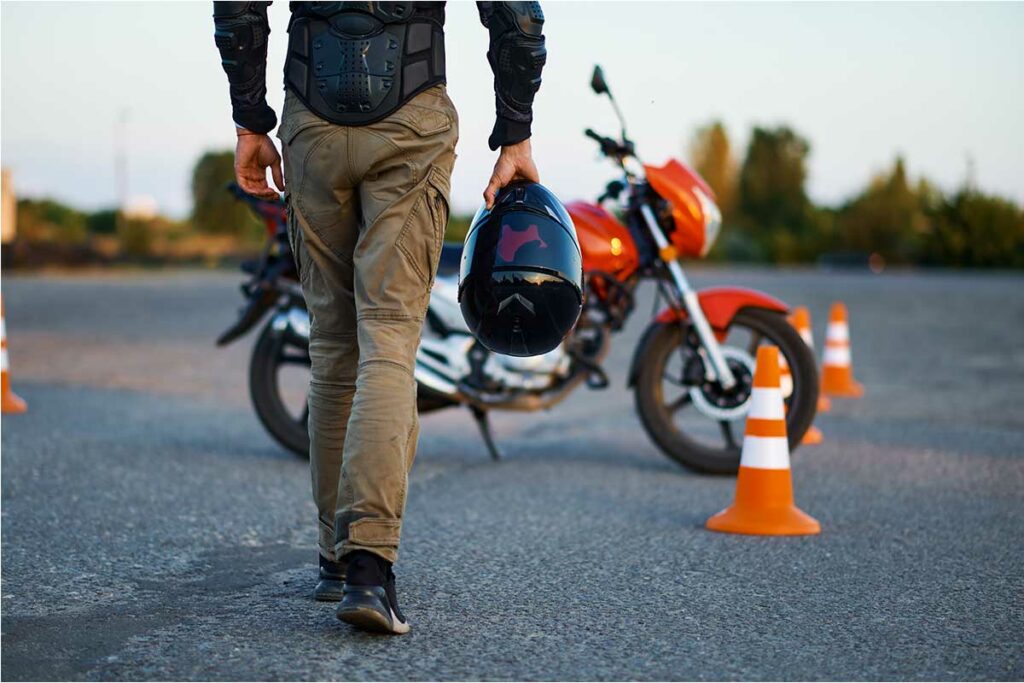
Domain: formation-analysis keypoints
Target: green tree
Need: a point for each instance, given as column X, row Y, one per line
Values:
column 136, row 236
column 778, row 221
column 214, row 209
column 886, row 218
column 712, row 157
column 103, row 222
column 772, row 178
column 974, row 230
column 46, row 220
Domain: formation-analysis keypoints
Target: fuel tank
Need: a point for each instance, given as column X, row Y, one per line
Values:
column 605, row 243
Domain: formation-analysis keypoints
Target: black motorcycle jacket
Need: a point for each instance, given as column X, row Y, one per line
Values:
column 354, row 63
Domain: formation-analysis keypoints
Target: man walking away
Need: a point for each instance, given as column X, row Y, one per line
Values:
column 368, row 135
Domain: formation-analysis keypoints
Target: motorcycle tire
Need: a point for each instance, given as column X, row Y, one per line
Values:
column 664, row 339
column 265, row 392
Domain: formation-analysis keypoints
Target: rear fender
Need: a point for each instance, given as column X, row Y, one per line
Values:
column 720, row 306
column 253, row 311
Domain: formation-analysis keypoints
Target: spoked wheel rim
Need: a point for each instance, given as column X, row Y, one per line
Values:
column 291, row 366
column 278, row 383
column 691, row 412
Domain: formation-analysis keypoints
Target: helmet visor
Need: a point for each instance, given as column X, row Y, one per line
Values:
column 524, row 239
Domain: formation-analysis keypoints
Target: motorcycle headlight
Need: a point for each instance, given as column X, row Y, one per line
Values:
column 712, row 220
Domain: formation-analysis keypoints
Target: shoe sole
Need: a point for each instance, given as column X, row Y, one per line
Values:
column 366, row 611
column 322, row 594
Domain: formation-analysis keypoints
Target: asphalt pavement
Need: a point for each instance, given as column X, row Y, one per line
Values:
column 152, row 530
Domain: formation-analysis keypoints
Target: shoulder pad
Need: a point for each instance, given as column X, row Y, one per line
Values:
column 526, row 16
column 232, row 9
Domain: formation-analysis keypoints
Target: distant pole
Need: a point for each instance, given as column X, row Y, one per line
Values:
column 971, row 181
column 121, row 163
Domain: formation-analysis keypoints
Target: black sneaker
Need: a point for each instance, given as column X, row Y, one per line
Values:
column 369, row 601
column 332, row 580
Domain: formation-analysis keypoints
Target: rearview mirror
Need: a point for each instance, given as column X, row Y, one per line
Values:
column 597, row 83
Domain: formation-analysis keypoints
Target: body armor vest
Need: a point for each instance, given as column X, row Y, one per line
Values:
column 354, row 63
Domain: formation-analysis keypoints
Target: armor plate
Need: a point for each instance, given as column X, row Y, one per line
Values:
column 354, row 63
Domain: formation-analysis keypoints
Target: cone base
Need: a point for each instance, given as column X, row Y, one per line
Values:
column 785, row 521
column 812, row 437
column 824, row 403
column 851, row 389
column 13, row 404
column 764, row 506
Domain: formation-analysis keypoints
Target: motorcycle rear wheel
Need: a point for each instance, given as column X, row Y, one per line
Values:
column 276, row 349
column 659, row 415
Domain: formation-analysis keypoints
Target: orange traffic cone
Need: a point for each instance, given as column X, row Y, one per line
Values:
column 801, row 320
column 836, row 368
column 764, row 489
column 813, row 435
column 11, row 403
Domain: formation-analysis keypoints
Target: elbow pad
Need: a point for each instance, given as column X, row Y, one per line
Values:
column 517, row 55
column 241, row 31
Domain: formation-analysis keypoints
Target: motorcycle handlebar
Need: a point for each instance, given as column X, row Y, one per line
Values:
column 607, row 144
column 610, row 147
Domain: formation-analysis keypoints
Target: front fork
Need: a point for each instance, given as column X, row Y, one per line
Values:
column 718, row 367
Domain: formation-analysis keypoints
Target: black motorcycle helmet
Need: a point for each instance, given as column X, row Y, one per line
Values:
column 521, row 277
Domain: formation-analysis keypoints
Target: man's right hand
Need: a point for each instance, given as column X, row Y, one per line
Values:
column 514, row 162
column 254, row 153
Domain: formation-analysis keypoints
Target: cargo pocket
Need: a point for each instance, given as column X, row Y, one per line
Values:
column 423, row 232
column 317, row 160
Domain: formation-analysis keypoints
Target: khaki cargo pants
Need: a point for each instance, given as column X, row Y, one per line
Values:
column 367, row 211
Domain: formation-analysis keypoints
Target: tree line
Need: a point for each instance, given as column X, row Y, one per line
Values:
column 768, row 217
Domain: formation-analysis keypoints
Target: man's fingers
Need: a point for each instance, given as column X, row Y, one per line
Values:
column 278, row 174
column 255, row 185
column 492, row 189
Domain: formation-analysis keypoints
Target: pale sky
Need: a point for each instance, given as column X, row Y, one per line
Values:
column 938, row 83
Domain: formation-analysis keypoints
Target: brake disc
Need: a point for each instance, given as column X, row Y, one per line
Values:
column 709, row 398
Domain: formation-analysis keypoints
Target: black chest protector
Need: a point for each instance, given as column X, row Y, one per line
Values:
column 354, row 63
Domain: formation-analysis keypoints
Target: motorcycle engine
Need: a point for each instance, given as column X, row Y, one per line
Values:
column 530, row 373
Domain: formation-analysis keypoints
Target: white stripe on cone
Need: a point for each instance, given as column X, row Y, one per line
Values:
column 838, row 332
column 765, row 452
column 837, row 355
column 5, row 363
column 766, row 404
column 785, row 377
column 805, row 334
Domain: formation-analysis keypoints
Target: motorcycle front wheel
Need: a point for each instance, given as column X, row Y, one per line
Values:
column 699, row 425
column 279, row 379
